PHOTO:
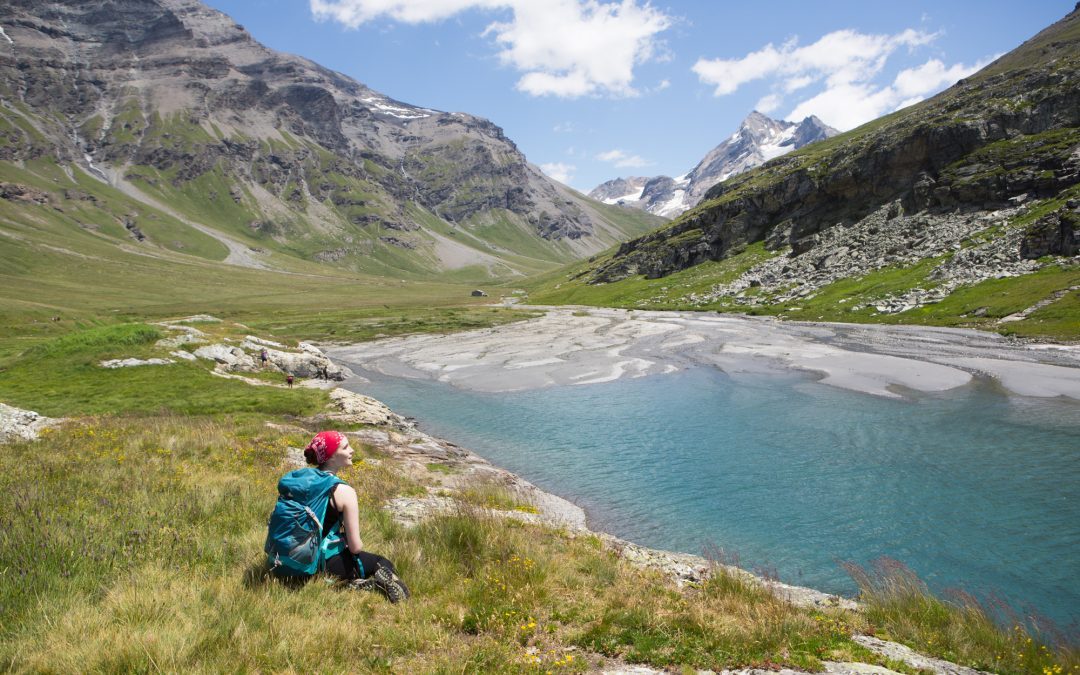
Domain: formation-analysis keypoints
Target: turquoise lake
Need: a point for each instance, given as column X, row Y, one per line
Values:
column 971, row 489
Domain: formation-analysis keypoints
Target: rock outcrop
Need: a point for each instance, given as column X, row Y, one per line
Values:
column 352, row 408
column 132, row 363
column 227, row 356
column 308, row 361
column 17, row 424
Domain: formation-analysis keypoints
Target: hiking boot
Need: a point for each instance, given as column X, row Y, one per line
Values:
column 390, row 585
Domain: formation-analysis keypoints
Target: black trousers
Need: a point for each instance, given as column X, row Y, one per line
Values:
column 360, row 566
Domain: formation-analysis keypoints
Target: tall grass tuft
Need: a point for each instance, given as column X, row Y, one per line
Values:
column 896, row 602
column 94, row 340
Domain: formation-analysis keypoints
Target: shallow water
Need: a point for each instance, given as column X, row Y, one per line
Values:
column 971, row 489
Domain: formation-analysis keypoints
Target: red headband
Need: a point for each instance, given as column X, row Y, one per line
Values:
column 325, row 444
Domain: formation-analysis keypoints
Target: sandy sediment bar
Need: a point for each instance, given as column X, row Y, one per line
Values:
column 573, row 346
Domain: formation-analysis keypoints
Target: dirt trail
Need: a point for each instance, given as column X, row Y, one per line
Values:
column 240, row 254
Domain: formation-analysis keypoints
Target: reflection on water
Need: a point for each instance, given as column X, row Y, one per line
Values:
column 970, row 488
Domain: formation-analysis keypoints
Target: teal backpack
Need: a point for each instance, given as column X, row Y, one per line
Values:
column 295, row 546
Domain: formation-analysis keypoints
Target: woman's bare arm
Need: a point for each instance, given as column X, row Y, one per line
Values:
column 345, row 501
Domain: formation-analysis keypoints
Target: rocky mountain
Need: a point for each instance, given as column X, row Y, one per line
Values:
column 269, row 154
column 620, row 190
column 974, row 191
column 758, row 139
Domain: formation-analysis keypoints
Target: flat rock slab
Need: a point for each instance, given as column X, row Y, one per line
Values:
column 899, row 652
column 17, row 424
column 350, row 407
column 134, row 363
column 190, row 336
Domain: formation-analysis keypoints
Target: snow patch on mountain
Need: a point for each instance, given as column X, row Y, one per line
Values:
column 780, row 146
column 673, row 206
column 383, row 106
column 629, row 197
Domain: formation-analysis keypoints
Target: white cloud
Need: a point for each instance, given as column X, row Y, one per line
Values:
column 767, row 104
column 840, row 57
column 564, row 173
column 796, row 83
column 622, row 160
column 563, row 128
column 848, row 105
column 844, row 64
column 566, row 48
column 353, row 13
column 845, row 106
column 932, row 76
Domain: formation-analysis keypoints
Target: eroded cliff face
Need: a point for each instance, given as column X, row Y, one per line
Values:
column 171, row 91
column 1005, row 136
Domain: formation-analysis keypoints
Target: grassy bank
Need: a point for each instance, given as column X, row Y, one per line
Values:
column 980, row 305
column 166, row 573
column 131, row 540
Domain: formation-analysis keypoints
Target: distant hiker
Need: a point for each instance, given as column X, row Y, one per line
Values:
column 324, row 373
column 289, row 380
column 263, row 356
column 315, row 525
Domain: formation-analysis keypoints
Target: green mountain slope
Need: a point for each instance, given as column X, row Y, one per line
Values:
column 963, row 209
column 230, row 152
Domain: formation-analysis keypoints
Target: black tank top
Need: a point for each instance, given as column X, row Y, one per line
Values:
column 333, row 516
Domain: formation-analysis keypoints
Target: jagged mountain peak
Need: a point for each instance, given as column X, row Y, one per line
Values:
column 758, row 139
column 811, row 129
column 757, row 125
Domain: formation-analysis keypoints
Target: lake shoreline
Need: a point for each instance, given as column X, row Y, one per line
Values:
column 416, row 451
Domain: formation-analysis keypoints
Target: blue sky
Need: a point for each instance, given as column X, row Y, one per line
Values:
column 595, row 89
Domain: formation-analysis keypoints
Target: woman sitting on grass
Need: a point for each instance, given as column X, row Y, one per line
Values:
column 315, row 508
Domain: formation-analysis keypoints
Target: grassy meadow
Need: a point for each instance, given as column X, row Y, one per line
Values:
column 131, row 540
